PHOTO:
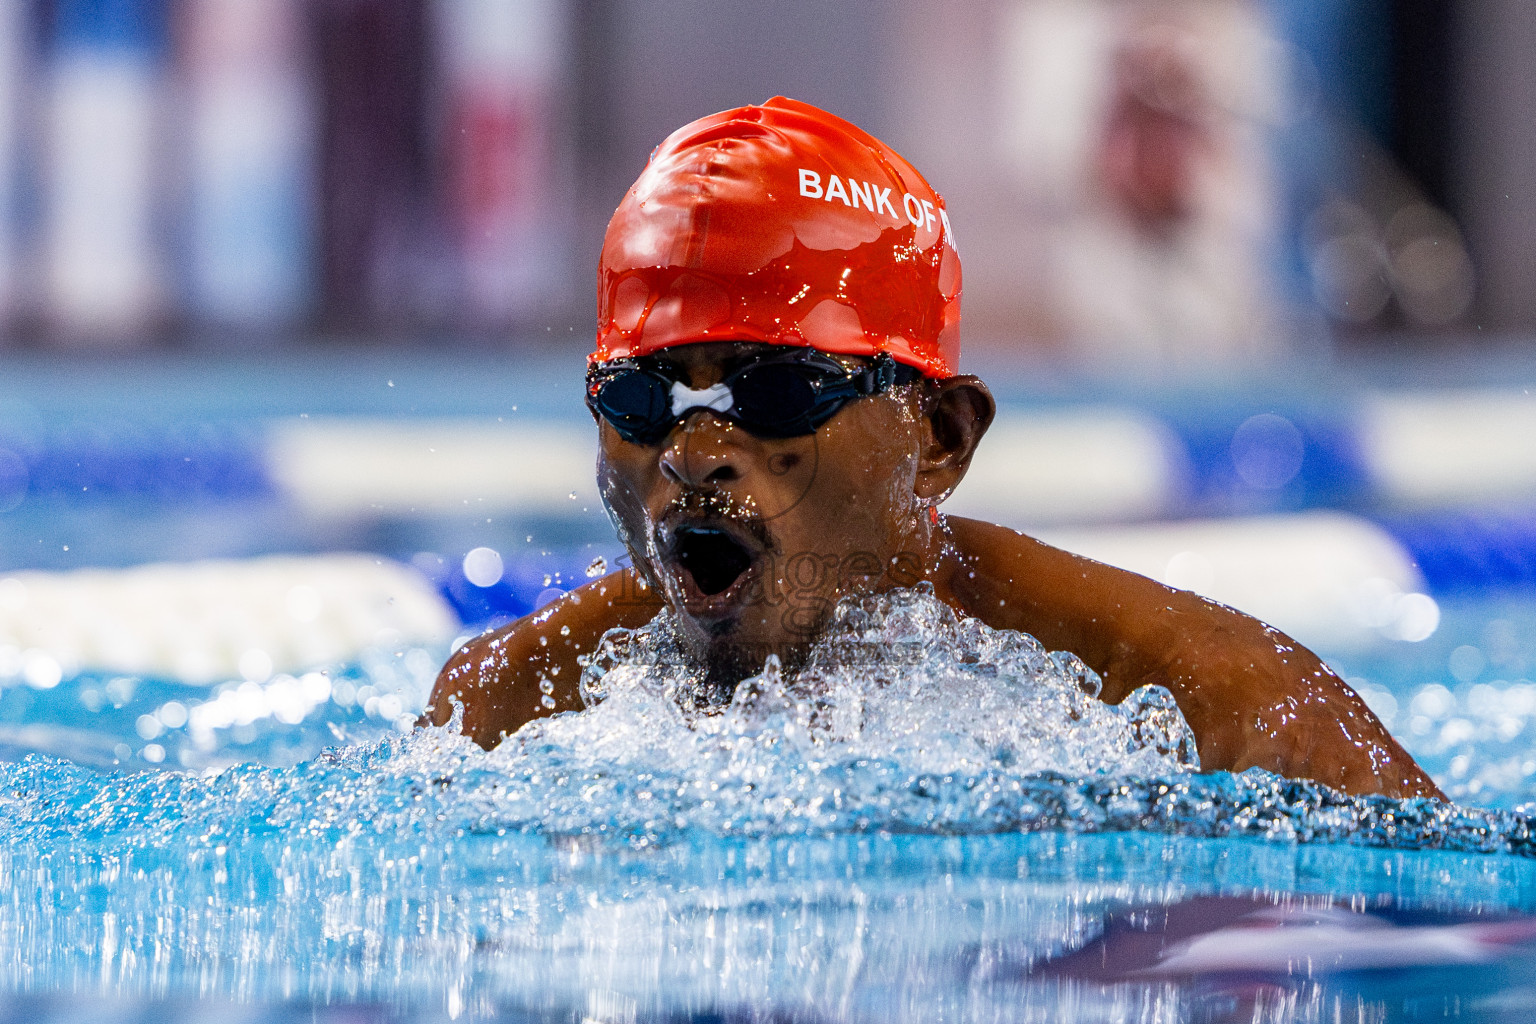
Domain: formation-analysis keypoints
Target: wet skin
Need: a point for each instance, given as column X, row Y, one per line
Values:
column 852, row 508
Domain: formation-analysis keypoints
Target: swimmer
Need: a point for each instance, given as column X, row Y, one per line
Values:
column 779, row 416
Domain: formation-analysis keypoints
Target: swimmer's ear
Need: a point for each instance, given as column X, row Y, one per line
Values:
column 956, row 412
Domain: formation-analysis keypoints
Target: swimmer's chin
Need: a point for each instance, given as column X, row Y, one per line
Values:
column 726, row 663
column 732, row 633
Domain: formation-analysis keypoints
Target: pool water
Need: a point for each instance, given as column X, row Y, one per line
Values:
column 280, row 844
column 307, row 855
column 1463, row 701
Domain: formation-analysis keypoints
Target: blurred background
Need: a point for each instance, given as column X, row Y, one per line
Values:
column 295, row 297
column 1168, row 181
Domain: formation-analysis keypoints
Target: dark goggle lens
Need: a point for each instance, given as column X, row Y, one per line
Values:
column 637, row 403
column 774, row 398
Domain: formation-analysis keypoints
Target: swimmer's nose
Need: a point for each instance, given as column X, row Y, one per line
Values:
column 703, row 452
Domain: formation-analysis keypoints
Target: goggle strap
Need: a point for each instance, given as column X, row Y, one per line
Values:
column 877, row 376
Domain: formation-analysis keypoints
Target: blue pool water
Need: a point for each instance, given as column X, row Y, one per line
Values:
column 281, row 845
column 630, row 868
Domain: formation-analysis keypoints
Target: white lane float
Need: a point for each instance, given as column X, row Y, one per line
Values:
column 202, row 622
column 1328, row 579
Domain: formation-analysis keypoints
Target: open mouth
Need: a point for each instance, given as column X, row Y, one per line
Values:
column 713, row 557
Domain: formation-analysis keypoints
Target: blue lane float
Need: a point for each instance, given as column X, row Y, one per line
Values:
column 1269, row 462
column 1471, row 552
column 525, row 582
column 177, row 464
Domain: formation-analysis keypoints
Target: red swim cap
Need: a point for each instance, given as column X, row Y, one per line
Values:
column 781, row 224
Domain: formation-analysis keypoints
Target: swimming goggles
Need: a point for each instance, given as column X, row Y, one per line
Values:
column 777, row 395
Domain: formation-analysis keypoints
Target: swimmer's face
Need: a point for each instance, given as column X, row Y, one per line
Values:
column 753, row 540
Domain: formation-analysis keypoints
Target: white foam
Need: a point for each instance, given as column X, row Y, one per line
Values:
column 899, row 679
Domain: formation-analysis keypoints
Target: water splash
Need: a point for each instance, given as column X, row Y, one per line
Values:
column 926, row 794
column 906, row 718
column 898, row 677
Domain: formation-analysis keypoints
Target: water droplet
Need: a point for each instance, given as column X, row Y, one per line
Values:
column 598, row 567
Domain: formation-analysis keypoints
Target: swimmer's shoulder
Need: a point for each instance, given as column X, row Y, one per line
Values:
column 527, row 669
column 1011, row 580
column 998, row 546
column 1004, row 567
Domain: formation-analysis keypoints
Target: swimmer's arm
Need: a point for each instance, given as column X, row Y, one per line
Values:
column 497, row 675
column 1255, row 697
column 1252, row 696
